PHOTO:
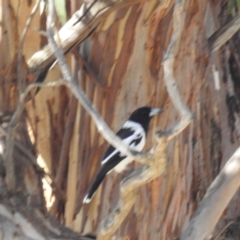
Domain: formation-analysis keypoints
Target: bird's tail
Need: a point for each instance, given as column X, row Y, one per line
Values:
column 97, row 181
column 105, row 169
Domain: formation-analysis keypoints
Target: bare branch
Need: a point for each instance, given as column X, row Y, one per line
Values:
column 63, row 159
column 84, row 64
column 179, row 16
column 20, row 50
column 215, row 200
column 223, row 230
column 75, row 31
column 49, row 178
column 10, row 177
column 221, row 36
column 9, row 230
column 24, row 223
column 12, row 126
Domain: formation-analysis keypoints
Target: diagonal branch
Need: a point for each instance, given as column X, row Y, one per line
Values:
column 78, row 28
column 9, row 164
column 215, row 200
column 221, row 36
column 20, row 50
column 63, row 159
column 12, row 127
column 21, row 224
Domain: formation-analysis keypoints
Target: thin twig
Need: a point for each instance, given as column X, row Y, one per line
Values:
column 88, row 68
column 72, row 35
column 49, row 178
column 10, row 176
column 42, row 225
column 168, row 66
column 84, row 14
column 63, row 159
column 224, row 229
column 8, row 27
column 32, row 159
column 20, row 50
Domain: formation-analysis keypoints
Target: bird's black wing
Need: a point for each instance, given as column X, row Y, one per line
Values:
column 122, row 133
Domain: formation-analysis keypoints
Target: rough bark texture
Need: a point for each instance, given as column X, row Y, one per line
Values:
column 119, row 67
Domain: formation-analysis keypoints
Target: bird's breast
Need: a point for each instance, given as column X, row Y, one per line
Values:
column 137, row 145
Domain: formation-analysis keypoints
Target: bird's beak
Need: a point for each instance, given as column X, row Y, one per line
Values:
column 155, row 111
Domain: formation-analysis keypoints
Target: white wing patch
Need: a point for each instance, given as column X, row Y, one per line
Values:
column 138, row 133
column 112, row 154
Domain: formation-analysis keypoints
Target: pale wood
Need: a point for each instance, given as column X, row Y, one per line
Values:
column 215, row 201
column 221, row 36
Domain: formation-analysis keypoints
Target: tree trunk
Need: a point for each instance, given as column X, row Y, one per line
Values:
column 120, row 68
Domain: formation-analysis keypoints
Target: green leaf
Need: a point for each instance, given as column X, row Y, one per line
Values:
column 61, row 10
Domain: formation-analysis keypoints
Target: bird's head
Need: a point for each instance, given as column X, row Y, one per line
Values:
column 144, row 112
column 143, row 115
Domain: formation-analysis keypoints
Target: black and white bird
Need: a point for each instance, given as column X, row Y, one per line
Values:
column 133, row 134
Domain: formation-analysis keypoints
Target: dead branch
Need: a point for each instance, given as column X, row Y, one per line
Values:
column 20, row 50
column 215, row 200
column 79, row 27
column 9, row 230
column 9, row 163
column 32, row 160
column 179, row 16
column 24, row 221
column 63, row 160
column 12, row 127
column 221, row 36
column 85, row 65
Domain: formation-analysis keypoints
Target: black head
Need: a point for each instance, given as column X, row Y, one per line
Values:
column 143, row 116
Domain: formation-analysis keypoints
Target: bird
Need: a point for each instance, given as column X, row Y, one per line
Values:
column 133, row 133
